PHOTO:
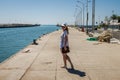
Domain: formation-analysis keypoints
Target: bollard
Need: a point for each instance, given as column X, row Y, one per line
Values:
column 82, row 29
column 34, row 42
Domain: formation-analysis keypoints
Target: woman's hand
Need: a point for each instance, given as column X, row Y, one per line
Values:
column 65, row 48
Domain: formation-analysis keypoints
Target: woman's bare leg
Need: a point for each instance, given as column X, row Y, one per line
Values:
column 68, row 58
column 64, row 60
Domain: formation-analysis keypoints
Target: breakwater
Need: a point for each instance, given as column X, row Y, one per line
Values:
column 17, row 25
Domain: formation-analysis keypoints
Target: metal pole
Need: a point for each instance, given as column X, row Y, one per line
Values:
column 93, row 15
column 75, row 17
column 99, row 19
column 87, row 17
column 83, row 15
column 83, row 11
column 78, row 19
column 80, row 12
column 113, row 20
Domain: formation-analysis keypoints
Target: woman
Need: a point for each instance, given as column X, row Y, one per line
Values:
column 64, row 46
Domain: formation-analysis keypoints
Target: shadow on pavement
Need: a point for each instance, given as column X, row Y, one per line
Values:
column 77, row 72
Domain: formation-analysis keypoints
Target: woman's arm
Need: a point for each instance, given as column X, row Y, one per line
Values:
column 65, row 42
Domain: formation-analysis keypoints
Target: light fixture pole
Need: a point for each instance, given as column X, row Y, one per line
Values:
column 83, row 10
column 113, row 20
column 87, row 18
column 75, row 16
column 93, row 15
column 80, row 13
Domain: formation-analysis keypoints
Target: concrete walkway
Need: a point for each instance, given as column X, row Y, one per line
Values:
column 92, row 60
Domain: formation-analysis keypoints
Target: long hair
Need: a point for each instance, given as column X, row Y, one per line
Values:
column 66, row 28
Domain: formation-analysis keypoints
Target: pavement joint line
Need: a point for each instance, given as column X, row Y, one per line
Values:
column 56, row 69
column 34, row 60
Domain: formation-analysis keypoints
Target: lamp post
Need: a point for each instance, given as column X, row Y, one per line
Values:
column 93, row 15
column 99, row 19
column 83, row 10
column 113, row 20
column 75, row 16
column 79, row 12
column 87, row 18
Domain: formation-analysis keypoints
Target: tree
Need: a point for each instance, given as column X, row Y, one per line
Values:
column 114, row 16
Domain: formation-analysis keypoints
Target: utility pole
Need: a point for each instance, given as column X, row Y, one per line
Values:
column 93, row 15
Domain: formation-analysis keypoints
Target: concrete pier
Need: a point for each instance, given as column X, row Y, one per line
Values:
column 92, row 60
column 18, row 25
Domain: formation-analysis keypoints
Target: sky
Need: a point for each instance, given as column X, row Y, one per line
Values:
column 52, row 11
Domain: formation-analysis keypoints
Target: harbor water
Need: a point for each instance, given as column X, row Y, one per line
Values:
column 14, row 39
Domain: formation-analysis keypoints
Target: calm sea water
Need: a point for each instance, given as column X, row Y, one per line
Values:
column 14, row 39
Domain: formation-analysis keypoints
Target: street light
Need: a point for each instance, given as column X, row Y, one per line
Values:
column 78, row 19
column 87, row 17
column 76, row 15
column 83, row 10
column 93, row 15
column 79, row 13
column 113, row 20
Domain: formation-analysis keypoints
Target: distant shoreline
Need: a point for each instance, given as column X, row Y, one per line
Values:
column 17, row 25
